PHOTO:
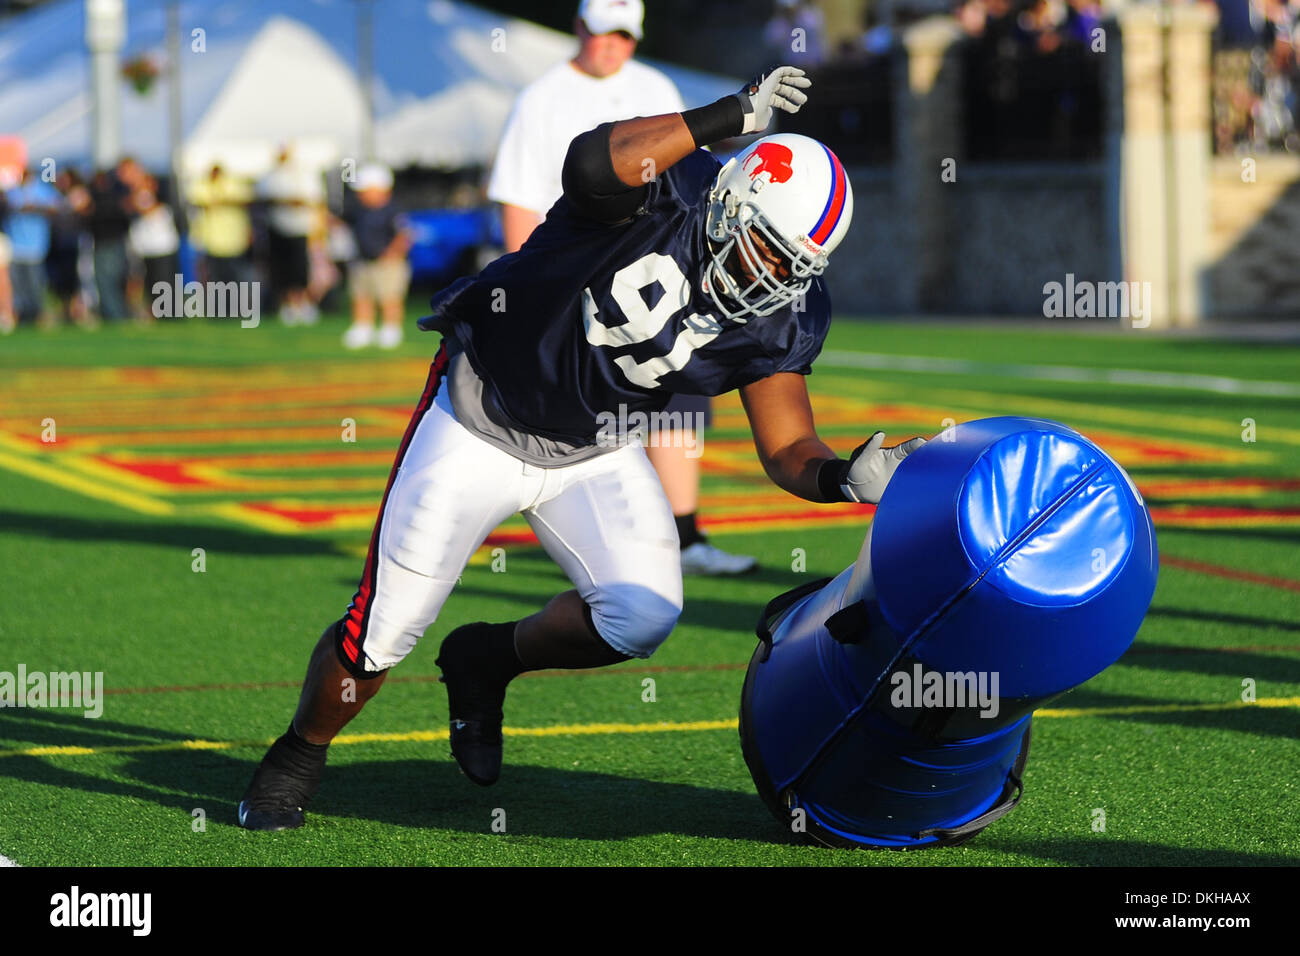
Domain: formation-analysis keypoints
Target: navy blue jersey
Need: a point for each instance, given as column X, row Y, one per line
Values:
column 373, row 227
column 587, row 316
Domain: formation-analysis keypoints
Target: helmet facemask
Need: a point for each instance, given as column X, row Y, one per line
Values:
column 731, row 230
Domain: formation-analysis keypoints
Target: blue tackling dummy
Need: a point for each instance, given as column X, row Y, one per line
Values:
column 1010, row 560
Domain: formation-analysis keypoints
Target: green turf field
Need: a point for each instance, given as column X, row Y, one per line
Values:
column 234, row 441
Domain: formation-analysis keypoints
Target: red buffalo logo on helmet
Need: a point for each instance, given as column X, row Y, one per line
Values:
column 773, row 159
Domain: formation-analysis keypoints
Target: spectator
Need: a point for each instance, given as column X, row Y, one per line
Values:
column 7, row 320
column 294, row 194
column 971, row 17
column 155, row 240
column 30, row 204
column 380, row 273
column 878, row 36
column 796, row 33
column 1082, row 17
column 602, row 83
column 110, row 214
column 322, row 273
column 133, row 174
column 341, row 248
column 1000, row 33
column 1037, row 25
column 62, row 265
column 1235, row 28
column 221, row 226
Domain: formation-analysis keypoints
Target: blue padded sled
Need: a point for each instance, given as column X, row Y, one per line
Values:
column 1009, row 561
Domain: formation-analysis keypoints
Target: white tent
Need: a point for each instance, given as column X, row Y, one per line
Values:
column 258, row 73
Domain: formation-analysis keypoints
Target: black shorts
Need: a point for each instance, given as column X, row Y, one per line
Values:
column 61, row 269
column 226, row 268
column 288, row 255
column 160, row 269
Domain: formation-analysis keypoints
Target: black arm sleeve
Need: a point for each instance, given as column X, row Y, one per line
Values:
column 591, row 184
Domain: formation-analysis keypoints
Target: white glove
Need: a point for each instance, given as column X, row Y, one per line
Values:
column 871, row 467
column 781, row 88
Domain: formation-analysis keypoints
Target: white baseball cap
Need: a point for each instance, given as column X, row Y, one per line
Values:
column 608, row 16
column 373, row 176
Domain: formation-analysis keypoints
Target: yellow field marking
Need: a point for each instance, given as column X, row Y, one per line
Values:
column 130, row 480
column 226, row 390
column 148, row 380
column 592, row 730
column 759, row 524
column 12, row 442
column 316, row 435
column 354, row 515
column 282, row 486
column 1176, row 521
column 1131, row 418
column 410, row 736
column 481, row 558
column 262, row 520
column 242, row 463
column 365, row 409
column 567, row 730
column 56, row 476
column 1268, row 702
column 1171, row 518
column 216, row 479
column 1233, row 486
column 968, row 405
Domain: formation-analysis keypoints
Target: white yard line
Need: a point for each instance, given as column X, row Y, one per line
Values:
column 5, row 861
column 1063, row 373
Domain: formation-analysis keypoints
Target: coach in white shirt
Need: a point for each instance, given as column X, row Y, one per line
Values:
column 601, row 84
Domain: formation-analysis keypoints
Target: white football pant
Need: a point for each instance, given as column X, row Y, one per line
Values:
column 605, row 521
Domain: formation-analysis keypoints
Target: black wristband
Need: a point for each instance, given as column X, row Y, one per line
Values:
column 830, row 479
column 715, row 122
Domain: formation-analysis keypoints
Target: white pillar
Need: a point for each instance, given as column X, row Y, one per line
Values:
column 105, row 33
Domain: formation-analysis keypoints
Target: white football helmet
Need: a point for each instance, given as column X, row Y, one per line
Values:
column 788, row 192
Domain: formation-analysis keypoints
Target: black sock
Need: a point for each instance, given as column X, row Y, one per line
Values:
column 293, row 752
column 291, row 770
column 687, row 531
column 499, row 651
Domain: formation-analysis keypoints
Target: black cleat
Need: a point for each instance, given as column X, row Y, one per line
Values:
column 474, row 699
column 285, row 781
column 285, row 818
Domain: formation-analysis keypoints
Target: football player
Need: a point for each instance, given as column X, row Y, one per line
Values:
column 657, row 272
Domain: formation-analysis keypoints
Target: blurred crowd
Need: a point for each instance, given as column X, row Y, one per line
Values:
column 1039, row 25
column 1257, row 76
column 85, row 252
column 82, row 250
column 1042, row 26
column 1256, row 54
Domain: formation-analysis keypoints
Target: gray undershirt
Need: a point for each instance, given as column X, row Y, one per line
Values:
column 465, row 389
